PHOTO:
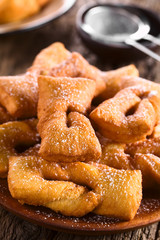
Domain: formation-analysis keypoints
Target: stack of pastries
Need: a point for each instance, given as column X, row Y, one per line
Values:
column 77, row 140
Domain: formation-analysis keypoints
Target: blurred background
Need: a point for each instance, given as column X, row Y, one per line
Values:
column 17, row 51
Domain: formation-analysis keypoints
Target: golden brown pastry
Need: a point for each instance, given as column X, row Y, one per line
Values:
column 149, row 165
column 142, row 155
column 23, row 102
column 74, row 170
column 106, row 82
column 123, row 78
column 16, row 10
column 77, row 66
column 64, row 94
column 130, row 81
column 113, row 80
column 48, row 58
column 19, row 96
column 113, row 192
column 27, row 183
column 121, row 191
column 129, row 116
column 146, row 157
column 149, row 146
column 13, row 135
column 114, row 155
column 21, row 91
column 67, row 135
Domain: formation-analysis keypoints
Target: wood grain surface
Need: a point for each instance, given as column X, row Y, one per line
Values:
column 16, row 54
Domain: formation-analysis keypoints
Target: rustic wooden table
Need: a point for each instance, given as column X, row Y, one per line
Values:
column 16, row 54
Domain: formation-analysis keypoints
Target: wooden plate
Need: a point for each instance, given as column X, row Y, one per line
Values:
column 148, row 213
column 51, row 11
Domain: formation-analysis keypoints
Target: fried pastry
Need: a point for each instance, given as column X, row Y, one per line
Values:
column 49, row 58
column 114, row 155
column 123, row 78
column 67, row 135
column 130, row 81
column 23, row 102
column 67, row 143
column 64, row 94
column 75, row 170
column 149, row 146
column 121, row 190
column 106, row 82
column 129, row 116
column 149, row 165
column 15, row 10
column 77, row 66
column 113, row 192
column 142, row 155
column 28, row 183
column 19, row 96
column 146, row 157
column 12, row 135
column 113, row 80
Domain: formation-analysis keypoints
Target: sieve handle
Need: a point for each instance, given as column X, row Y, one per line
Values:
column 142, row 48
column 152, row 39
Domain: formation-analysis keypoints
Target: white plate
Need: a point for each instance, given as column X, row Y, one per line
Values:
column 51, row 11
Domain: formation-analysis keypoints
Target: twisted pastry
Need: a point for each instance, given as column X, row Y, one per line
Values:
column 146, row 157
column 113, row 80
column 19, row 96
column 149, row 164
column 114, row 155
column 130, row 81
column 123, row 78
column 12, row 135
column 77, row 66
column 66, row 134
column 142, row 155
column 27, row 183
column 48, row 58
column 113, row 192
column 129, row 116
column 149, row 146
